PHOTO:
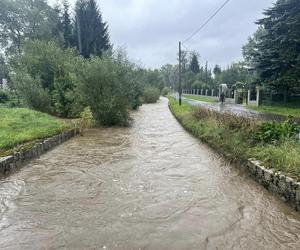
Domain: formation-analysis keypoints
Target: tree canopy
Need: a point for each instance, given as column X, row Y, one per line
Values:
column 26, row 19
column 274, row 50
column 194, row 64
column 92, row 37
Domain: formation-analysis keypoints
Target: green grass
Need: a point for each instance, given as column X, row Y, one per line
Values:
column 232, row 136
column 185, row 108
column 277, row 110
column 201, row 98
column 21, row 125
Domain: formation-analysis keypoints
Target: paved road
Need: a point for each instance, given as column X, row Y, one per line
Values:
column 237, row 109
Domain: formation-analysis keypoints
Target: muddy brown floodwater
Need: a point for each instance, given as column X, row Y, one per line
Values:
column 151, row 186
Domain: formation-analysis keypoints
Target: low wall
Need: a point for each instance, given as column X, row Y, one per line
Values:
column 15, row 161
column 287, row 188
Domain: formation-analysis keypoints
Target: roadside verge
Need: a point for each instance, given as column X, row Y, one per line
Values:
column 231, row 142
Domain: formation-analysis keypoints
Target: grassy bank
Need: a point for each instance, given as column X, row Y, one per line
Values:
column 201, row 98
column 277, row 110
column 20, row 125
column 241, row 138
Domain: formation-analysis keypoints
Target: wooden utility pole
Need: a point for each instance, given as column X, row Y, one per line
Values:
column 180, row 77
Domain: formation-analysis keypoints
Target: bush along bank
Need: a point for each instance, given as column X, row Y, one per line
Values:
column 268, row 151
column 150, row 95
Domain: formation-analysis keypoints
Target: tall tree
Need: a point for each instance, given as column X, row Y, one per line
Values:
column 217, row 70
column 217, row 74
column 206, row 73
column 250, row 49
column 3, row 70
column 194, row 64
column 237, row 72
column 276, row 55
column 23, row 19
column 66, row 25
column 90, row 29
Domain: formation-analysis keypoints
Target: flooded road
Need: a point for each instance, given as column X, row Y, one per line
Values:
column 151, row 186
column 239, row 110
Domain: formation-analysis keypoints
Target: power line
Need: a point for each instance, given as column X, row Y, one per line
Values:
column 207, row 21
column 185, row 47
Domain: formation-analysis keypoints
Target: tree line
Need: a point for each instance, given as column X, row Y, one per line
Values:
column 61, row 61
column 271, row 57
column 199, row 76
column 48, row 50
column 23, row 20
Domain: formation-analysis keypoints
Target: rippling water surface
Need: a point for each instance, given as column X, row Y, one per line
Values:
column 151, row 186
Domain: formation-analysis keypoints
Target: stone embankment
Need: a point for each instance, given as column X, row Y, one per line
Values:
column 16, row 160
column 287, row 188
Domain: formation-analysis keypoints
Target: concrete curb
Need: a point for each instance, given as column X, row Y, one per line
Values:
column 17, row 160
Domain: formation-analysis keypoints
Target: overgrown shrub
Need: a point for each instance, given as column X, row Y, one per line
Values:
column 165, row 91
column 151, row 94
column 231, row 121
column 45, row 77
column 283, row 156
column 9, row 98
column 106, row 89
column 4, row 96
column 272, row 132
column 86, row 120
column 31, row 91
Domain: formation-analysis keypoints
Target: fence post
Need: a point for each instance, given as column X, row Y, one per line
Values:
column 235, row 96
column 258, row 101
column 249, row 96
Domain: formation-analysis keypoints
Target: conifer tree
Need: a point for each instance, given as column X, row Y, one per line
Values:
column 92, row 37
column 194, row 65
column 275, row 50
column 66, row 25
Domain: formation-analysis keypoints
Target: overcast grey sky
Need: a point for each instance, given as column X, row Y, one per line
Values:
column 150, row 29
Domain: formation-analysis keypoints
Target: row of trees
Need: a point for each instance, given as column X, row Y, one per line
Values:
column 196, row 76
column 271, row 57
column 58, row 81
column 22, row 20
column 87, row 33
column 61, row 64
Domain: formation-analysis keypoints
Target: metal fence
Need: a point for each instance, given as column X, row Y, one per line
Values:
column 269, row 98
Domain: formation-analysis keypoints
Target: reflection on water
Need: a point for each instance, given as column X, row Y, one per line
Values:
column 151, row 186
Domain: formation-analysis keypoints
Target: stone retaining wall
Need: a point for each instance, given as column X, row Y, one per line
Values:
column 287, row 188
column 15, row 161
